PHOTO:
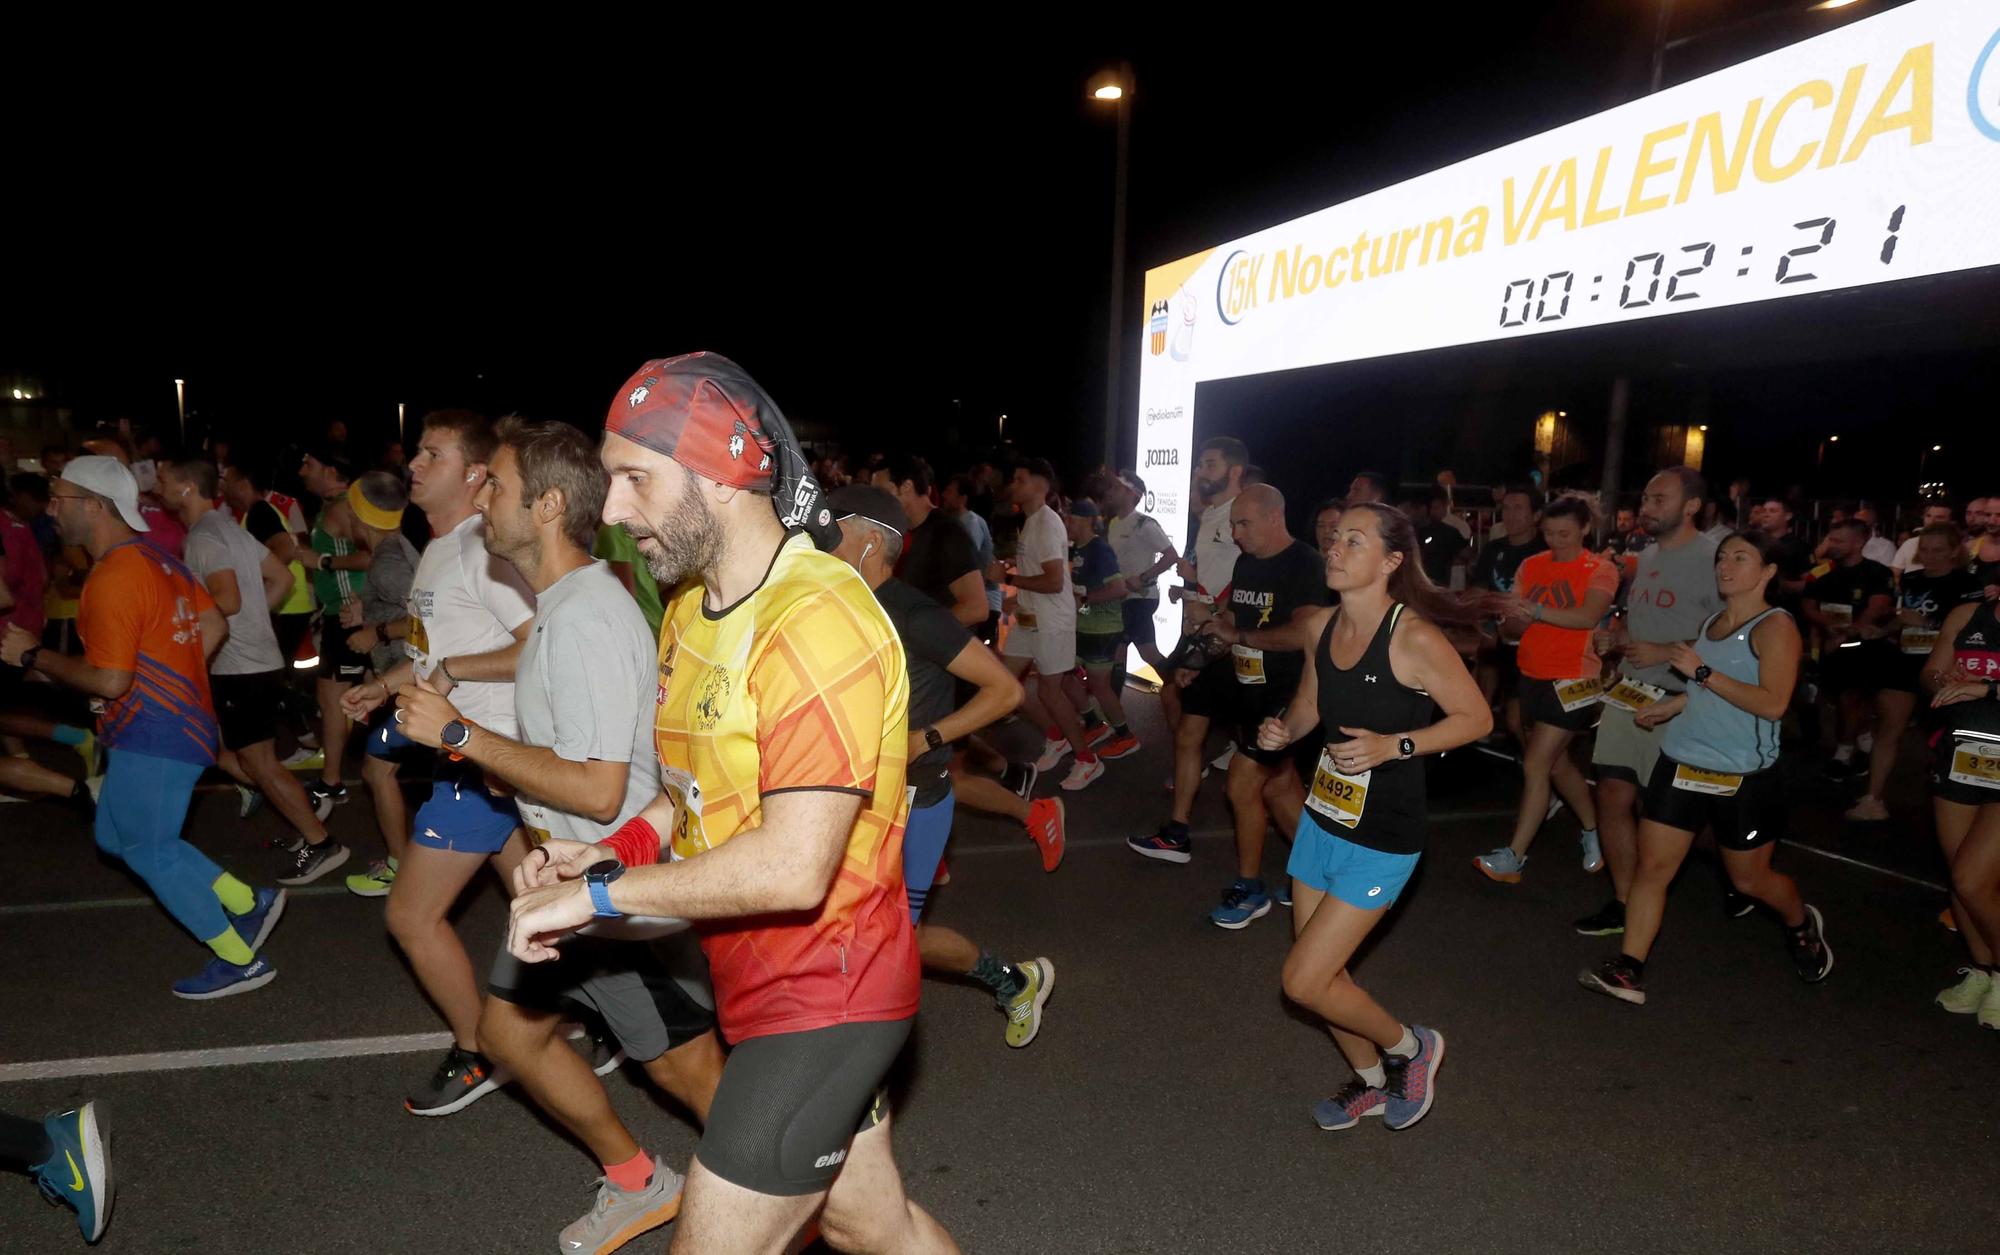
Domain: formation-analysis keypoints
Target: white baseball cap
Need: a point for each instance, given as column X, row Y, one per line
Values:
column 109, row 478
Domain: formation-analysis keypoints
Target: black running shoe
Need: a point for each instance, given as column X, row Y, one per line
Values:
column 1812, row 958
column 310, row 862
column 1736, row 905
column 1608, row 922
column 1020, row 779
column 321, row 791
column 1617, row 977
column 462, row 1078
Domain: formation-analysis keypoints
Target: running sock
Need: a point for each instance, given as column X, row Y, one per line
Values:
column 1120, row 730
column 235, row 896
column 1093, row 718
column 1085, row 757
column 1843, row 753
column 1053, row 733
column 1407, row 1047
column 1004, row 979
column 1174, row 830
column 633, row 1175
column 1375, row 1076
column 67, row 735
column 24, row 1144
column 230, row 948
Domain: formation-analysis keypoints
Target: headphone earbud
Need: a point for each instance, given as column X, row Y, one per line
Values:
column 868, row 549
column 472, row 477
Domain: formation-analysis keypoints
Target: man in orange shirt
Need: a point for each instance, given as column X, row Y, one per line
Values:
column 148, row 630
column 782, row 730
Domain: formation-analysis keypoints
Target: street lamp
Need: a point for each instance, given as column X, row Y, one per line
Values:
column 1113, row 87
column 180, row 406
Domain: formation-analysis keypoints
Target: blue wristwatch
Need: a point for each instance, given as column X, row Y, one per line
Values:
column 599, row 876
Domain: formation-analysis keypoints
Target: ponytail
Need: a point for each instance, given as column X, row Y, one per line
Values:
column 1411, row 585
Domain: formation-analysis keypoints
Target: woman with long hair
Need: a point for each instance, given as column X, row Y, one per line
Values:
column 1926, row 592
column 1560, row 596
column 1717, row 769
column 1963, row 678
column 1380, row 668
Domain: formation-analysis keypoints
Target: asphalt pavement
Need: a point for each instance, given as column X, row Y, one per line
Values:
column 1164, row 1107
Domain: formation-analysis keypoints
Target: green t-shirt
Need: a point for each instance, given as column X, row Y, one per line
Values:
column 1097, row 565
column 615, row 544
column 334, row 589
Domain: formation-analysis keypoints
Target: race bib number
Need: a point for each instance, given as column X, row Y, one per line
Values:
column 1837, row 615
column 1025, row 620
column 416, row 641
column 1249, row 664
column 689, row 838
column 1335, row 794
column 1574, row 695
column 1976, row 763
column 1918, row 640
column 535, row 818
column 1716, row 783
column 1634, row 695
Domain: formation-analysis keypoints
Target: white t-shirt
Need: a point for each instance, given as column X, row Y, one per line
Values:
column 1906, row 557
column 1043, row 539
column 216, row 543
column 466, row 601
column 1880, row 549
column 1215, row 552
column 1138, row 540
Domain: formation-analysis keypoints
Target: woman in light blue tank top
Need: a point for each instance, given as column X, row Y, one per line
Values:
column 1716, row 770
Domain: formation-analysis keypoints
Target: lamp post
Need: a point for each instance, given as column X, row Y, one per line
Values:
column 180, row 406
column 1113, row 87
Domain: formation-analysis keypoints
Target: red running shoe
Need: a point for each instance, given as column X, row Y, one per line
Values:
column 1045, row 826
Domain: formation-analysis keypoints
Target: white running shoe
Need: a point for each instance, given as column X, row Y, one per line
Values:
column 1221, row 761
column 1053, row 752
column 1082, row 773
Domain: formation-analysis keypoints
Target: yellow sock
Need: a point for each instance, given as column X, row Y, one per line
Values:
column 230, row 948
column 235, row 896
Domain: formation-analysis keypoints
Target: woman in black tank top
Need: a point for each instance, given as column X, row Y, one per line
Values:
column 1962, row 676
column 1380, row 665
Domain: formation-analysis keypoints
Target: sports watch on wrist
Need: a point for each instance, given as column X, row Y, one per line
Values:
column 1702, row 673
column 455, row 734
column 1406, row 748
column 28, row 657
column 598, row 876
column 932, row 739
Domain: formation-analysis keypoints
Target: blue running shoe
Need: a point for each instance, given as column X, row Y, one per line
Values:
column 1281, row 892
column 1162, row 845
column 221, row 978
column 1412, row 1082
column 1344, row 1110
column 78, row 1169
column 255, row 925
column 1242, row 902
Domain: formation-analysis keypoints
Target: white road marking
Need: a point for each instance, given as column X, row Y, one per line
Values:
column 221, row 1057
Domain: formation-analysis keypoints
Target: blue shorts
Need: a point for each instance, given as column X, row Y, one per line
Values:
column 924, row 835
column 461, row 815
column 1355, row 874
column 386, row 740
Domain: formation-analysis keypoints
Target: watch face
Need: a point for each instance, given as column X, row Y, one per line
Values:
column 604, row 870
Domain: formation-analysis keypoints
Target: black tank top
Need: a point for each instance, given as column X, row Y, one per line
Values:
column 1976, row 655
column 1367, row 696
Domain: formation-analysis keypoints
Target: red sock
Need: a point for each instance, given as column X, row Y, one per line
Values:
column 1085, row 756
column 1054, row 733
column 633, row 1175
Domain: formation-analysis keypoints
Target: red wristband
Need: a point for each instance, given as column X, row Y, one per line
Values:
column 636, row 843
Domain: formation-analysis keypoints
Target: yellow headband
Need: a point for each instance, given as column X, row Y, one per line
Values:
column 373, row 515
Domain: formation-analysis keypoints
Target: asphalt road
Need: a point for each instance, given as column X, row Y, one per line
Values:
column 1165, row 1105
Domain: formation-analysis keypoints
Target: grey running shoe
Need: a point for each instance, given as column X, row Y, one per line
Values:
column 619, row 1216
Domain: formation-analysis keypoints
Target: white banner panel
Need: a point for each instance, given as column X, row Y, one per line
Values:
column 1865, row 155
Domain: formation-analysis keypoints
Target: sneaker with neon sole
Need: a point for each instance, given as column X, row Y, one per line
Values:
column 77, row 1172
column 1502, row 865
column 375, row 882
column 1964, row 997
column 617, row 1216
column 1024, row 1009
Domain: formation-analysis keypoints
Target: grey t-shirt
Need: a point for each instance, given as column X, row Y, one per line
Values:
column 1672, row 595
column 214, row 544
column 582, row 687
column 392, row 569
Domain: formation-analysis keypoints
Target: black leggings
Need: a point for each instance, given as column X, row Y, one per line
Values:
column 23, row 1143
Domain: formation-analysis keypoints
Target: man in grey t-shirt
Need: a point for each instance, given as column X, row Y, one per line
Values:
column 583, row 687
column 1671, row 595
column 247, row 675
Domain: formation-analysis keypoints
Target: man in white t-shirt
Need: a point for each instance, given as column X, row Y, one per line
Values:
column 1879, row 547
column 1938, row 512
column 469, row 614
column 1144, row 554
column 1044, row 631
column 1218, row 477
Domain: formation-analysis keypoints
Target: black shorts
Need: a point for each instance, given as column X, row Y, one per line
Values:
column 246, row 707
column 649, row 993
column 1539, row 704
column 790, row 1104
column 1237, row 708
column 1098, row 649
column 1507, row 667
column 336, row 661
column 1900, row 672
column 292, row 630
column 1862, row 668
column 1943, row 787
column 1753, row 816
column 1139, row 629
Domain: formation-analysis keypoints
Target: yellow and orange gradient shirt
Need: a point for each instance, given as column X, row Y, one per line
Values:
column 799, row 686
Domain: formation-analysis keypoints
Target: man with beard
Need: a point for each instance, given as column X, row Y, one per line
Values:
column 1982, row 521
column 583, row 765
column 1219, row 475
column 782, row 729
column 1671, row 595
column 469, row 612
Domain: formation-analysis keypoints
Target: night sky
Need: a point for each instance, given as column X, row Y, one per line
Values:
column 902, row 230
